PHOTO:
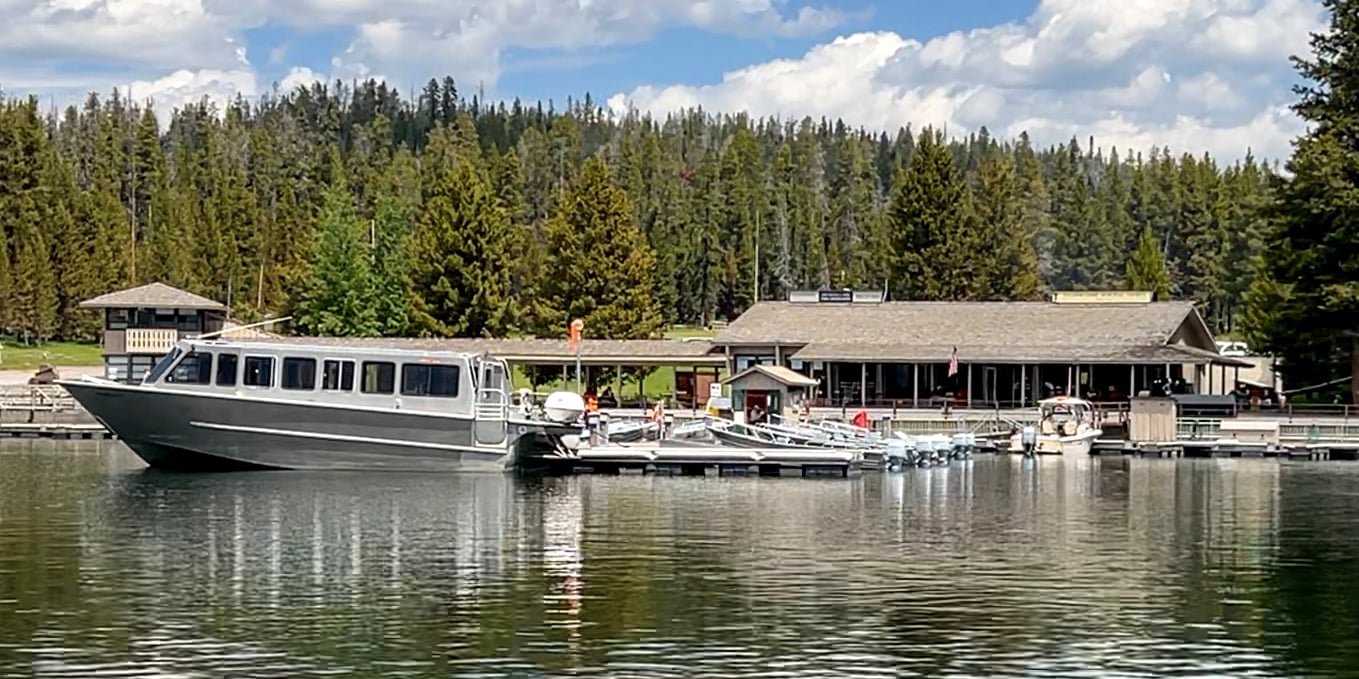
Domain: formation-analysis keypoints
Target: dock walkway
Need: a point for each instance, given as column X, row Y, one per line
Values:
column 705, row 460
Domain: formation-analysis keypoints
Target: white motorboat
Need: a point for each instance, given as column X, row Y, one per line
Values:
column 1066, row 426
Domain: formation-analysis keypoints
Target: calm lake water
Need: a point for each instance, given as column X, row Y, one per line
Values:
column 997, row 567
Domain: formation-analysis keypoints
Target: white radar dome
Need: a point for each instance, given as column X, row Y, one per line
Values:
column 564, row 406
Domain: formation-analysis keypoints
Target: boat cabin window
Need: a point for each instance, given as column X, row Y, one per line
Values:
column 379, row 377
column 299, row 374
column 194, row 368
column 259, row 371
column 425, row 379
column 337, row 375
column 163, row 365
column 226, row 369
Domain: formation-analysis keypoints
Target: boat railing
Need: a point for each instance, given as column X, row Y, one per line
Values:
column 492, row 404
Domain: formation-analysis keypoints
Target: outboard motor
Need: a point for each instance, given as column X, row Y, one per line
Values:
column 959, row 446
column 1028, row 439
column 943, row 448
column 895, row 457
column 924, row 447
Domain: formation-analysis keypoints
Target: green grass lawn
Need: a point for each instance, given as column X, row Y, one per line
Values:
column 685, row 332
column 19, row 357
column 659, row 382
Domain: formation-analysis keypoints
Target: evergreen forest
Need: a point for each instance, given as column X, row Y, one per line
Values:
column 358, row 210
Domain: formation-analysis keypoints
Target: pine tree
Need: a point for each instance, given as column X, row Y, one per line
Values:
column 391, row 296
column 462, row 258
column 934, row 232
column 1146, row 269
column 1311, row 322
column 34, row 296
column 339, row 299
column 1011, row 266
column 600, row 268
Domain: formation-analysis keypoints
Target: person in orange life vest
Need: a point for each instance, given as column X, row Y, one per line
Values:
column 591, row 403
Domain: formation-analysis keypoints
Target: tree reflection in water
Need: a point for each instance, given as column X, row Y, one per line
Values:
column 997, row 567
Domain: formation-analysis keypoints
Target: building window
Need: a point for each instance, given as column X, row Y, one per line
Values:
column 115, row 368
column 140, row 366
column 117, row 319
column 337, row 376
column 259, row 371
column 379, row 378
column 420, row 379
column 189, row 321
column 226, row 369
column 194, row 368
column 299, row 374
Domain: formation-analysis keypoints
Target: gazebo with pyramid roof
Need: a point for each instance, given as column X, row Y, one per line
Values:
column 142, row 325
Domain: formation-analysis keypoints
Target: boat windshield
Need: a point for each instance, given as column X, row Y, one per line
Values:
column 1064, row 411
column 162, row 366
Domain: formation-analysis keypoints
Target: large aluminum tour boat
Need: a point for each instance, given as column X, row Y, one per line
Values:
column 216, row 404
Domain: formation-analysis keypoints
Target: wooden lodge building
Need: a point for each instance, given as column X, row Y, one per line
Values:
column 862, row 350
column 859, row 349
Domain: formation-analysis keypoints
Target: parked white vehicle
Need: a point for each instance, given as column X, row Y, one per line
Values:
column 1226, row 348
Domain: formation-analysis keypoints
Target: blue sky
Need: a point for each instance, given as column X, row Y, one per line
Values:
column 1194, row 75
column 677, row 54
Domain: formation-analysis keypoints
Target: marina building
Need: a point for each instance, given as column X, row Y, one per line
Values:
column 864, row 350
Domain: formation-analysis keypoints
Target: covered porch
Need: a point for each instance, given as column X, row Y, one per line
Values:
column 848, row 376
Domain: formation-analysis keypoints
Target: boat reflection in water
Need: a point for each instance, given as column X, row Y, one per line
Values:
column 324, row 404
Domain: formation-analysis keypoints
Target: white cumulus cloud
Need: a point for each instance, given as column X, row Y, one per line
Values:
column 44, row 44
column 1196, row 75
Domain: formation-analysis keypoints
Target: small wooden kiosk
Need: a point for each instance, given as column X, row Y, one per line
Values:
column 142, row 325
column 770, row 388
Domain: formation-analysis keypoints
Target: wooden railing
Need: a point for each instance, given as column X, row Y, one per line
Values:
column 151, row 340
column 21, row 403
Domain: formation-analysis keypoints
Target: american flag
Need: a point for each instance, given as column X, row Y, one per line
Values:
column 953, row 362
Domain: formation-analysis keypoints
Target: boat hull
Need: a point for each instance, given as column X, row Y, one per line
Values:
column 217, row 432
column 1081, row 444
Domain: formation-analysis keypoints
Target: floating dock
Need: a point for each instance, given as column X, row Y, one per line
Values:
column 1227, row 448
column 704, row 460
column 53, row 430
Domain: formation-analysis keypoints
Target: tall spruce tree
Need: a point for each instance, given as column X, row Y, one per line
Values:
column 338, row 299
column 1146, row 268
column 1307, row 314
column 933, row 229
column 1011, row 271
column 600, row 268
column 462, row 258
column 392, row 299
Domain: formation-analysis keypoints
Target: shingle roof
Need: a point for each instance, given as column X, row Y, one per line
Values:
column 544, row 351
column 157, row 295
column 785, row 376
column 982, row 331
